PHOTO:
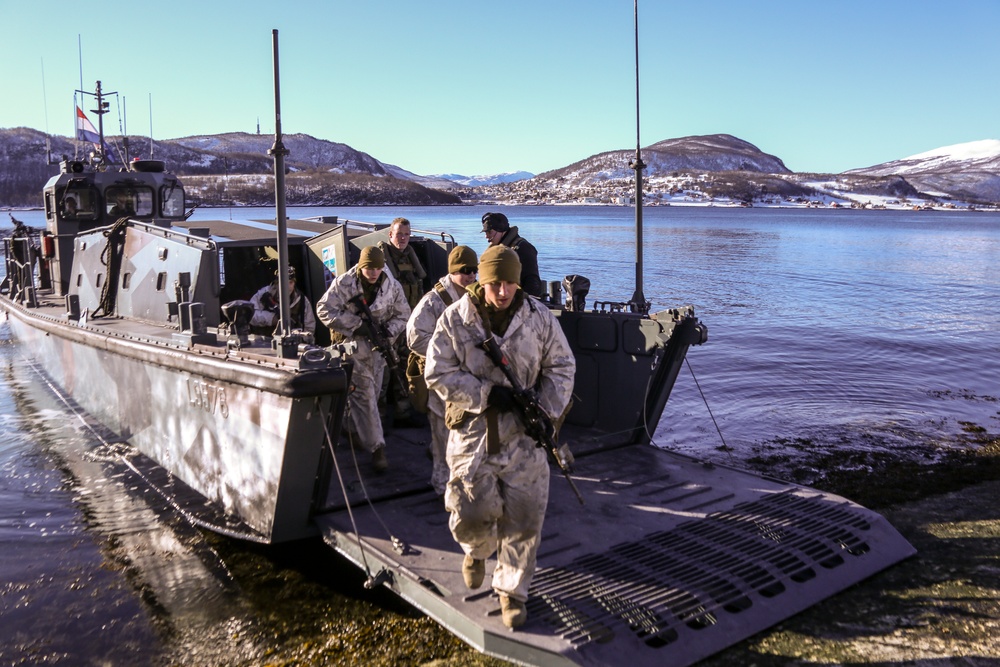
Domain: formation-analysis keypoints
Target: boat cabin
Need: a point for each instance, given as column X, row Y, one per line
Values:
column 79, row 199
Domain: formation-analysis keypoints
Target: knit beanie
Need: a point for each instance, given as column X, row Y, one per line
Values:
column 371, row 258
column 462, row 257
column 499, row 263
column 495, row 222
column 291, row 274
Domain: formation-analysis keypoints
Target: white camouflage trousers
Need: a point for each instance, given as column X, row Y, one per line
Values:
column 362, row 403
column 501, row 509
column 439, row 443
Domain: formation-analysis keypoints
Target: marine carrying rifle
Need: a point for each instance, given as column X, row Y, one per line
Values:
column 382, row 342
column 536, row 422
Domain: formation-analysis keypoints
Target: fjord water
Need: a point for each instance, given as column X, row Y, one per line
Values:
column 840, row 329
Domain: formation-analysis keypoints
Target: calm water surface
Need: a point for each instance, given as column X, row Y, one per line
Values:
column 843, row 329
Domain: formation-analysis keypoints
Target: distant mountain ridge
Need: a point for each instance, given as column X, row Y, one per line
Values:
column 483, row 179
column 320, row 172
column 710, row 153
column 968, row 171
column 971, row 156
column 327, row 172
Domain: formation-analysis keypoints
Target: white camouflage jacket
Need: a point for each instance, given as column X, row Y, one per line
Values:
column 459, row 370
column 389, row 308
column 425, row 315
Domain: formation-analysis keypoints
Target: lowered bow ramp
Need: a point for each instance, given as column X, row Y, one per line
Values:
column 670, row 561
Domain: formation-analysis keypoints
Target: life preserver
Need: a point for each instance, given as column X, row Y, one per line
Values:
column 147, row 165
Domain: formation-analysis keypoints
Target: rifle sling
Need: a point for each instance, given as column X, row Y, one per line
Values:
column 492, row 431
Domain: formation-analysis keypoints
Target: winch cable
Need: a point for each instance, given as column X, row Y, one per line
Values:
column 398, row 545
column 645, row 419
column 725, row 445
column 343, row 487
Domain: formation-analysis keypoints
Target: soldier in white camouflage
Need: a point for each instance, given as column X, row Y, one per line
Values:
column 462, row 267
column 499, row 478
column 388, row 306
column 265, row 308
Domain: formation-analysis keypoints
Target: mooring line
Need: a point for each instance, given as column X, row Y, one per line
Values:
column 725, row 445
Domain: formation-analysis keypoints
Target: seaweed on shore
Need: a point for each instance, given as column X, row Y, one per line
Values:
column 881, row 477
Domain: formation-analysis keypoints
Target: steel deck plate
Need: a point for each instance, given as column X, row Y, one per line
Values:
column 669, row 561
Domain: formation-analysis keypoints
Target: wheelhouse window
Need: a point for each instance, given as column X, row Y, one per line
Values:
column 128, row 201
column 77, row 203
column 172, row 196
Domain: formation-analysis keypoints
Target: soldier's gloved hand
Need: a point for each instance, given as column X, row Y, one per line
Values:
column 363, row 331
column 501, row 398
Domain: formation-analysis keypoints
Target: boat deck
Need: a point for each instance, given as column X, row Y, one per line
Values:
column 669, row 561
column 258, row 349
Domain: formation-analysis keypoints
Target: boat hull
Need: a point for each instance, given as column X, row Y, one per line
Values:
column 246, row 437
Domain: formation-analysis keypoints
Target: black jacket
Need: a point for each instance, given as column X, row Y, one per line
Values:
column 531, row 283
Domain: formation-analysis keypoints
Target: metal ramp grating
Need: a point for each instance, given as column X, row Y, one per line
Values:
column 702, row 573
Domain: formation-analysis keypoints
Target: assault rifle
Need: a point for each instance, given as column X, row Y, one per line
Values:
column 382, row 342
column 268, row 302
column 536, row 422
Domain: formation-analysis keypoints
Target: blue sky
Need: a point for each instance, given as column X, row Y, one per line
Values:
column 483, row 87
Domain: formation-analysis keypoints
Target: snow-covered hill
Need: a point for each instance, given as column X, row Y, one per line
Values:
column 711, row 153
column 969, row 171
column 486, row 179
column 971, row 156
column 694, row 169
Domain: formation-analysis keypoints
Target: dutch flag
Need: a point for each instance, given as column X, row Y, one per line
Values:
column 85, row 131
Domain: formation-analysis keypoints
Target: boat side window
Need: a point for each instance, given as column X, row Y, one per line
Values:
column 78, row 203
column 172, row 196
column 131, row 200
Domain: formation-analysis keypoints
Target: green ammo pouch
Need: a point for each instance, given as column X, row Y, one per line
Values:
column 416, row 383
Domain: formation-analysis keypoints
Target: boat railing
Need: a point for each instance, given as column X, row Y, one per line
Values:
column 20, row 257
column 370, row 227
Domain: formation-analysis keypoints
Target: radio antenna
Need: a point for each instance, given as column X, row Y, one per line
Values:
column 79, row 49
column 150, row 126
column 638, row 303
column 45, row 104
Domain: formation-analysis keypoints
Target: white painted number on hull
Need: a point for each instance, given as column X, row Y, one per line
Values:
column 209, row 397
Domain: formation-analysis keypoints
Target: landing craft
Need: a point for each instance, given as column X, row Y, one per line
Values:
column 135, row 314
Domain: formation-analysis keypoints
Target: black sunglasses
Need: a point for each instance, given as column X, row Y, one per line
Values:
column 468, row 270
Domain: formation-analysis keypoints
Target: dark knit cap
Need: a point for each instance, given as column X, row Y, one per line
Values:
column 495, row 222
column 499, row 263
column 371, row 258
column 291, row 273
column 462, row 257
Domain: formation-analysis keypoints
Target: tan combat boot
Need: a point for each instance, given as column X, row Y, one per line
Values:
column 473, row 571
column 514, row 613
column 379, row 462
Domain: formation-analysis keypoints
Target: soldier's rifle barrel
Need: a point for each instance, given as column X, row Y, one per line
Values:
column 382, row 343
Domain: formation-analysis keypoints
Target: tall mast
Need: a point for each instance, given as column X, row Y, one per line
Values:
column 102, row 108
column 278, row 151
column 638, row 303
